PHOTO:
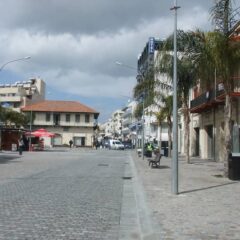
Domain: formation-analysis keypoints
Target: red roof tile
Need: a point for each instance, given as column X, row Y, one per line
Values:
column 59, row 106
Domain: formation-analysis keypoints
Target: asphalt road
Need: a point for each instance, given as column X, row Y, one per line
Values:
column 62, row 194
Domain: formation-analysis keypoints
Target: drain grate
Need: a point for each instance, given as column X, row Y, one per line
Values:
column 126, row 178
column 218, row 176
column 103, row 165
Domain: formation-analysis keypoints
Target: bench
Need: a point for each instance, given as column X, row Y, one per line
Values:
column 155, row 162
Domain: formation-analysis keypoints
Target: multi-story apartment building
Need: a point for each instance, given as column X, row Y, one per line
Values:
column 68, row 120
column 20, row 94
column 117, row 124
column 147, row 62
column 128, row 120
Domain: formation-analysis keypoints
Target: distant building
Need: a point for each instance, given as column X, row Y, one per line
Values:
column 21, row 94
column 129, row 132
column 67, row 119
column 147, row 63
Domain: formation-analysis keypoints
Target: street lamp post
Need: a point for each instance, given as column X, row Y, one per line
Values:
column 141, row 75
column 143, row 122
column 15, row 60
column 175, row 117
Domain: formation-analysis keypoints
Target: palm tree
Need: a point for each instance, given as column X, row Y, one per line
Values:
column 216, row 51
column 144, row 89
column 186, row 77
column 160, row 120
column 165, row 114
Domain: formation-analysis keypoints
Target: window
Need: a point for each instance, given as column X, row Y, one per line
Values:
column 66, row 129
column 87, row 118
column 77, row 118
column 56, row 119
column 68, row 117
column 48, row 117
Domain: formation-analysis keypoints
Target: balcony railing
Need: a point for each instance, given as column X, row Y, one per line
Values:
column 213, row 97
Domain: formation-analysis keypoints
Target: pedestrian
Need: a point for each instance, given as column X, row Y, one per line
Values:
column 20, row 145
column 97, row 144
column 71, row 143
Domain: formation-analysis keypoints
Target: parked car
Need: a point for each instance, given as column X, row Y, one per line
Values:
column 116, row 144
column 127, row 145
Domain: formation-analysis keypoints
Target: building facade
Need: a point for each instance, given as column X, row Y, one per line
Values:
column 68, row 120
column 21, row 94
column 207, row 115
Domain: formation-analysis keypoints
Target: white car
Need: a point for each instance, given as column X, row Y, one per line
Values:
column 115, row 144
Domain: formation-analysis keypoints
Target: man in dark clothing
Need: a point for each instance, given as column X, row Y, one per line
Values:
column 70, row 143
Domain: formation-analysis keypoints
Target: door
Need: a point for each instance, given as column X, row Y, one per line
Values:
column 79, row 141
column 197, row 134
column 57, row 141
column 209, row 130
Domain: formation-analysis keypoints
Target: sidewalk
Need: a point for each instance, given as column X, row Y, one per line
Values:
column 207, row 206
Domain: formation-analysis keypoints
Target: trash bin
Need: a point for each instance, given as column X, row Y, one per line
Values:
column 234, row 166
column 164, row 151
column 148, row 153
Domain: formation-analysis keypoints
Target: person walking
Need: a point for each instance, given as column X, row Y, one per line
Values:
column 71, row 143
column 20, row 145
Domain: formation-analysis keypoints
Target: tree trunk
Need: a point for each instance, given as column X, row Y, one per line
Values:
column 186, row 115
column 169, row 139
column 227, row 132
column 160, row 137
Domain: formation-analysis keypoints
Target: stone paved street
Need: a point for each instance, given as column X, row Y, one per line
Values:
column 61, row 195
column 101, row 194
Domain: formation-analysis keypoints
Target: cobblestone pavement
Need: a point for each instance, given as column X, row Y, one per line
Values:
column 61, row 195
column 206, row 208
column 88, row 194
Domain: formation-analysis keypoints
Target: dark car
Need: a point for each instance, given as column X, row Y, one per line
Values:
column 127, row 145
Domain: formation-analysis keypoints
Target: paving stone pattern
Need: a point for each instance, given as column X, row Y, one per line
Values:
column 70, row 196
column 206, row 208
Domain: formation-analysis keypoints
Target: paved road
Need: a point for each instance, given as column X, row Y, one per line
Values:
column 68, row 194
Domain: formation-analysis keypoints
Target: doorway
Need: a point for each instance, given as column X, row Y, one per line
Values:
column 197, row 135
column 210, row 147
column 79, row 141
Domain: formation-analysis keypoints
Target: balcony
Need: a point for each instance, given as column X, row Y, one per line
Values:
column 126, row 121
column 212, row 98
column 10, row 99
column 127, row 113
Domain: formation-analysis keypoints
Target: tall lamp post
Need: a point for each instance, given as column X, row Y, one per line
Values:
column 15, row 60
column 141, row 75
column 175, row 117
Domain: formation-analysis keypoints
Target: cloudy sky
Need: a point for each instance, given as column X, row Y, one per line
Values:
column 74, row 44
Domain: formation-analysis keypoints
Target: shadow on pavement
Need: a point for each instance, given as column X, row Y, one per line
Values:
column 4, row 158
column 206, row 188
column 161, row 167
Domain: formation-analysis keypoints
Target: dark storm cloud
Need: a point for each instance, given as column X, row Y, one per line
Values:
column 86, row 16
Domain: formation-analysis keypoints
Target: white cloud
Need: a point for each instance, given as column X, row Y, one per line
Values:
column 81, row 61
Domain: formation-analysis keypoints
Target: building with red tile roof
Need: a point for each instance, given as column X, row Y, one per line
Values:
column 68, row 120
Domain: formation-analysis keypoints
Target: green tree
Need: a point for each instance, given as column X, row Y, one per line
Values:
column 12, row 118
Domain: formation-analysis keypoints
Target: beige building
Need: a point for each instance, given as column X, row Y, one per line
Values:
column 20, row 94
column 67, row 119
